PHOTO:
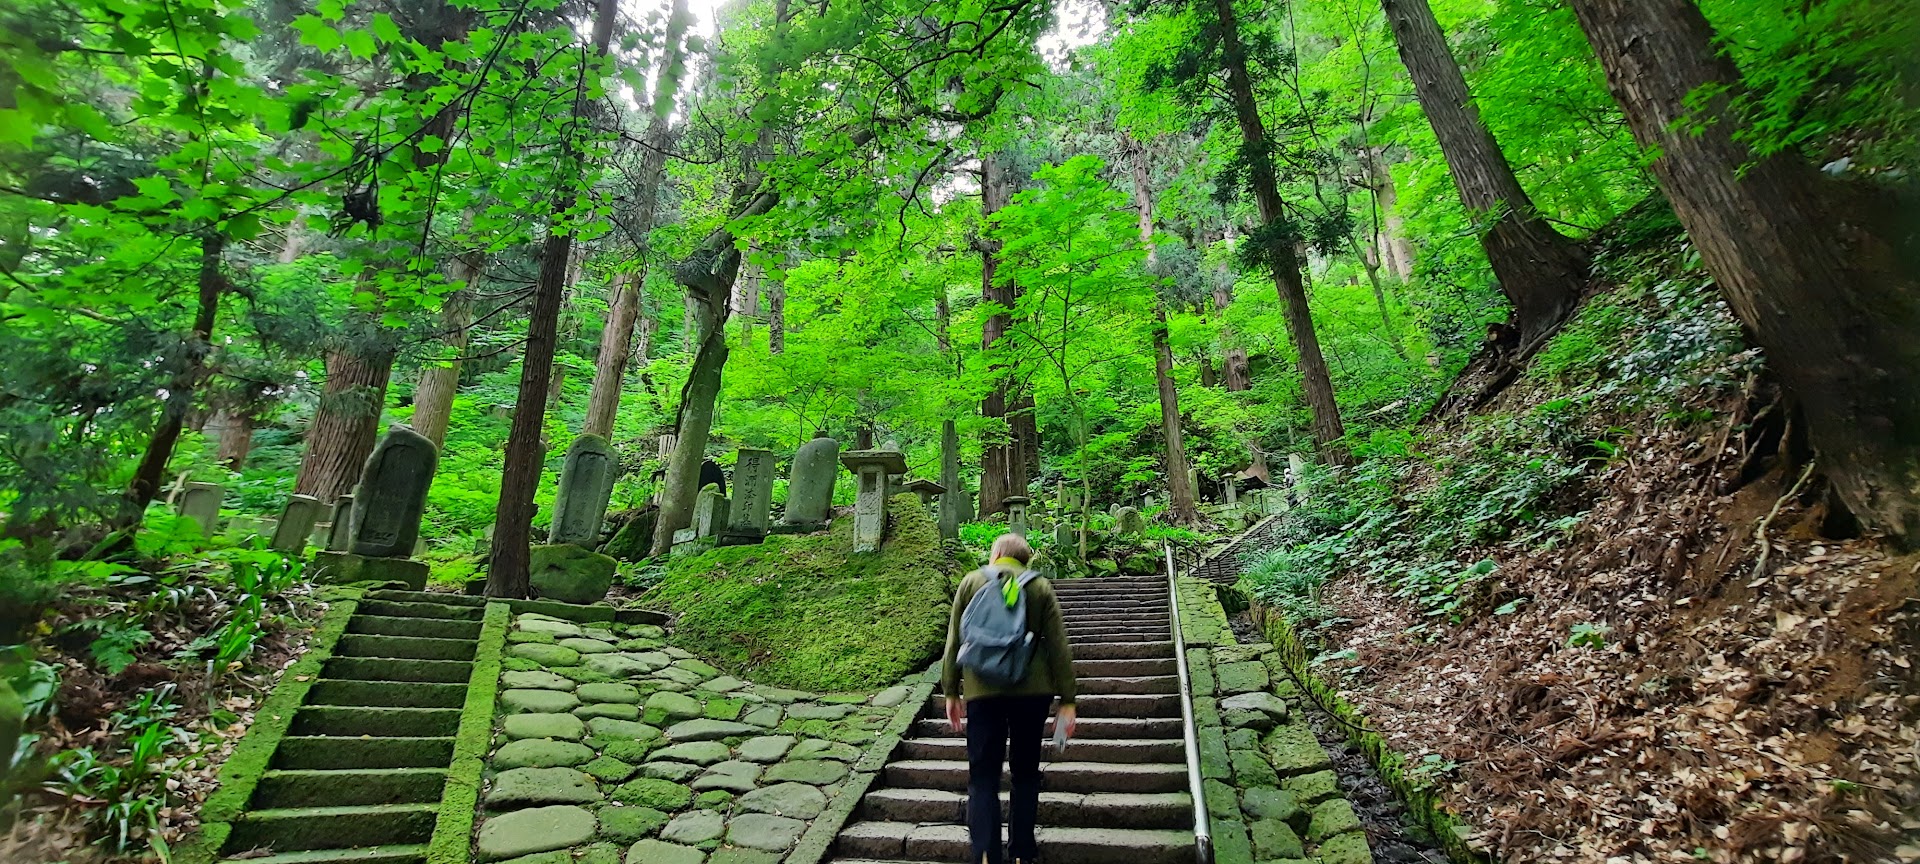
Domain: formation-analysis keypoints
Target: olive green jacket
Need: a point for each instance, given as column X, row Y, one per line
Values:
column 1050, row 673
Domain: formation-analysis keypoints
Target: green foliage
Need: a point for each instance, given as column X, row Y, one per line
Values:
column 803, row 611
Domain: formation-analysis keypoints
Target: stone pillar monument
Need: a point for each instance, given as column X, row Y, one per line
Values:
column 752, row 504
column 201, row 503
column 709, row 512
column 810, row 486
column 389, row 500
column 296, row 524
column 586, row 482
column 873, row 470
column 1016, row 513
column 1232, row 493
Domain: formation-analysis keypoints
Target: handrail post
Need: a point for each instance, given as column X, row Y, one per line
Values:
column 1202, row 826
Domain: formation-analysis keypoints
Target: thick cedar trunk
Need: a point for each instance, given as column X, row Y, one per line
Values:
column 1025, row 464
column 433, row 397
column 1395, row 250
column 152, row 469
column 1236, row 371
column 616, row 347
column 236, row 438
column 1803, row 260
column 348, row 420
column 1180, row 494
column 695, row 423
column 1540, row 270
column 520, row 476
column 1279, row 253
column 999, row 449
column 1208, row 377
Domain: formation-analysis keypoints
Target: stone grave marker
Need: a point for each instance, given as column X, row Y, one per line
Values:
column 296, row 524
column 816, row 468
column 874, row 470
column 388, row 503
column 752, row 505
column 709, row 512
column 1128, row 521
column 340, row 529
column 586, row 484
column 201, row 503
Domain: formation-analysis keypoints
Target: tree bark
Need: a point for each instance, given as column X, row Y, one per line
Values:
column 520, row 477
column 1180, row 494
column 1278, row 251
column 433, row 397
column 1395, row 250
column 151, row 471
column 1808, row 263
column 695, row 422
column 616, row 347
column 999, row 447
column 236, row 438
column 1540, row 270
column 347, row 421
column 1236, row 371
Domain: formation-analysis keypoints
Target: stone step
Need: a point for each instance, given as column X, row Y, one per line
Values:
column 398, row 609
column 394, row 669
column 297, row 829
column 1125, row 750
column 1147, row 684
column 1089, row 728
column 1124, row 651
column 1109, row 583
column 412, row 853
column 356, row 720
column 1054, row 776
column 387, row 694
column 903, row 841
column 427, row 628
column 1135, row 706
column 297, row 752
column 1139, row 628
column 1112, row 604
column 1122, row 668
column 427, row 597
column 1078, row 639
column 1094, row 619
column 404, row 647
column 1168, row 810
column 353, row 787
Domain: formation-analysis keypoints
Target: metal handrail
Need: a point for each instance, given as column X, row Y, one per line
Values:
column 1202, row 827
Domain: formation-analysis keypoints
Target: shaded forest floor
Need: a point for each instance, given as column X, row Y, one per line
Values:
column 1654, row 640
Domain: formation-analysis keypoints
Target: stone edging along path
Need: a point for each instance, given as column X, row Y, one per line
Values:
column 1270, row 788
column 562, row 734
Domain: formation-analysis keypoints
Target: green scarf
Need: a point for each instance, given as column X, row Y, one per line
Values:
column 1010, row 583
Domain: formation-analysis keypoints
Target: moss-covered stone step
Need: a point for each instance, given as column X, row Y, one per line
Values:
column 353, row 787
column 296, row 829
column 1123, row 668
column 395, row 609
column 1135, row 685
column 355, row 720
column 428, row 628
column 394, row 669
column 1123, row 651
column 404, row 647
column 387, row 694
column 410, row 853
column 428, row 597
column 334, row 753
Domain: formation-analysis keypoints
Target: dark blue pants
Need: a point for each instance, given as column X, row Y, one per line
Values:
column 1004, row 729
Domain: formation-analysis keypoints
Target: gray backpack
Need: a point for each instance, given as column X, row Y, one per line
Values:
column 995, row 643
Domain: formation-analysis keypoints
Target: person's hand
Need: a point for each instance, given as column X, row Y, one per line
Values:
column 1066, row 718
column 957, row 714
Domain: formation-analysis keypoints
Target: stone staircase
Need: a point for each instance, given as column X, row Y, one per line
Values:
column 1119, row 793
column 359, row 776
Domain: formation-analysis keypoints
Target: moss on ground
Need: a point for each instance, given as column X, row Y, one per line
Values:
column 804, row 611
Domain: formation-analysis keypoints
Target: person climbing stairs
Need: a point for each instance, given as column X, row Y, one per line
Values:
column 1118, row 795
column 360, row 774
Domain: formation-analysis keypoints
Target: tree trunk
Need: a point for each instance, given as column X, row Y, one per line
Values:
column 1235, row 370
column 1208, row 377
column 697, row 400
column 236, row 438
column 616, row 347
column 1278, row 251
column 348, row 420
column 1540, row 270
column 1025, row 464
column 999, row 447
column 433, row 398
column 520, row 476
column 1180, row 494
column 151, row 471
column 1396, row 251
column 1803, row 260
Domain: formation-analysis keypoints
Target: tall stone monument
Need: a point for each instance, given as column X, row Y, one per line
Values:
column 1230, row 490
column 296, row 524
column 816, row 467
column 1016, row 513
column 566, row 568
column 201, row 503
column 873, row 470
column 752, row 505
column 388, row 502
column 586, row 484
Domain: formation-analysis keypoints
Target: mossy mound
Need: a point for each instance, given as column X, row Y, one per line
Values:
column 804, row 611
